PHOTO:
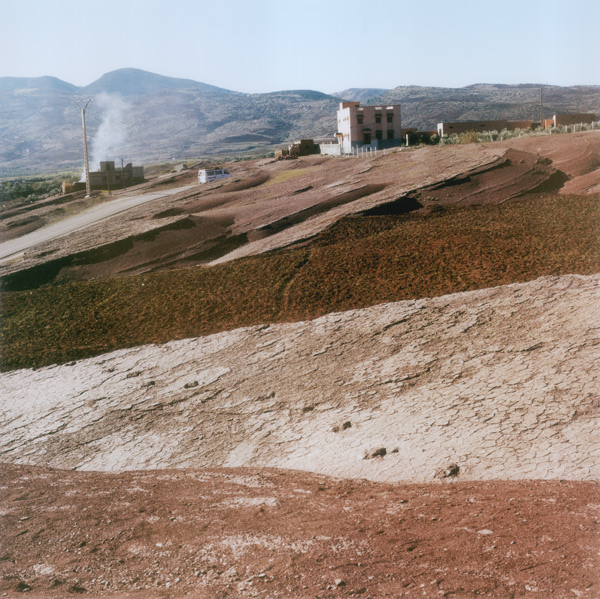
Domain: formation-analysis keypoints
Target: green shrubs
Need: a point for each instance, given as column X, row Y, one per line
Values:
column 31, row 189
column 486, row 136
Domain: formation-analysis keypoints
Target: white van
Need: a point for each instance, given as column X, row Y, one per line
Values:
column 206, row 175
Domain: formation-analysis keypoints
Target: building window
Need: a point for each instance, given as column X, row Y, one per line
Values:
column 390, row 134
column 379, row 134
column 378, row 118
column 359, row 118
column 390, row 118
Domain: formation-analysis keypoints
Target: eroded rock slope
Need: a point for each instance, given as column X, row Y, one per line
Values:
column 496, row 383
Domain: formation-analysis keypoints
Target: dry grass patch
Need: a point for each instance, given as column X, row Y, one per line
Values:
column 358, row 262
column 288, row 175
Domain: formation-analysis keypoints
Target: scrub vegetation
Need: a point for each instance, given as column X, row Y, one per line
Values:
column 359, row 261
column 23, row 190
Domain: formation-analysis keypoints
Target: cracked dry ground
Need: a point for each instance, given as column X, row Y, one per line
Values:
column 444, row 447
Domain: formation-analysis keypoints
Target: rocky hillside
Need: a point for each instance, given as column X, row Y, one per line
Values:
column 146, row 117
column 471, row 385
column 424, row 107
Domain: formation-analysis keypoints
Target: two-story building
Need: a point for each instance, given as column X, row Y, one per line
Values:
column 374, row 126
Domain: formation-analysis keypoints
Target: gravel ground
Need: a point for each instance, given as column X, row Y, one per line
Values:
column 275, row 533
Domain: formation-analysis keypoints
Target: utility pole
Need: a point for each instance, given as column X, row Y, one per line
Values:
column 88, row 187
column 123, row 175
column 542, row 108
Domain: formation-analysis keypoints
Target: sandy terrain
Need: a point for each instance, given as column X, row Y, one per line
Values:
column 577, row 155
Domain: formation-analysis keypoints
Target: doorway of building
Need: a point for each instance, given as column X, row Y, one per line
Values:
column 366, row 137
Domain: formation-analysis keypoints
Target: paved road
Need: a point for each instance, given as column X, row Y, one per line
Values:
column 10, row 249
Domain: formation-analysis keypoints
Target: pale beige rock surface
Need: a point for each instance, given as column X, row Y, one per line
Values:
column 501, row 382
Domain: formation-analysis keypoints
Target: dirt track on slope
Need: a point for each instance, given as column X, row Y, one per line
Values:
column 79, row 222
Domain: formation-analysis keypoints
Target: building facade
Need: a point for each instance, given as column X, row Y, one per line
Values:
column 570, row 119
column 374, row 126
column 109, row 177
column 445, row 129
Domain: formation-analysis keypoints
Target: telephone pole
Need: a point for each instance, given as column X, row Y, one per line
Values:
column 88, row 187
column 542, row 108
column 123, row 174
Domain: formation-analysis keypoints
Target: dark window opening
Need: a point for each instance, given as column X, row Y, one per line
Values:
column 359, row 118
column 379, row 134
column 390, row 134
column 390, row 118
column 378, row 118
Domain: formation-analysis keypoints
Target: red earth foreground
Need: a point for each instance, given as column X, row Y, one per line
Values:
column 281, row 533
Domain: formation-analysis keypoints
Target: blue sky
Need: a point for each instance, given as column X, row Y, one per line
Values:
column 327, row 45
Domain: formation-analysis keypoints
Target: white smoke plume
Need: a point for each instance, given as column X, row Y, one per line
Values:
column 108, row 142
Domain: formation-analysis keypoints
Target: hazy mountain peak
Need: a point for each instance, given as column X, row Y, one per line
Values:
column 360, row 94
column 46, row 83
column 137, row 82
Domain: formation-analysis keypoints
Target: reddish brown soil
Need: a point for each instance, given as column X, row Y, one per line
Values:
column 275, row 533
column 265, row 199
column 574, row 154
column 513, row 176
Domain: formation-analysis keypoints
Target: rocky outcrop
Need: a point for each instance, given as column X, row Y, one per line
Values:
column 497, row 383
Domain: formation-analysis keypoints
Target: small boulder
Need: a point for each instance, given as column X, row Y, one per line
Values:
column 23, row 587
column 447, row 472
column 375, row 453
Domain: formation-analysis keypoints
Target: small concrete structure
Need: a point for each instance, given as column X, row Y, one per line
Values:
column 330, row 145
column 109, row 177
column 300, row 147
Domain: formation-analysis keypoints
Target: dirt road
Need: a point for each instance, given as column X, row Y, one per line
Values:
column 11, row 248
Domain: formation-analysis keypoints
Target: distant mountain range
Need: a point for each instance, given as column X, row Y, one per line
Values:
column 145, row 117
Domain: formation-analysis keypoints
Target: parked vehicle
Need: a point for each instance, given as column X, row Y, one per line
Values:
column 206, row 175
